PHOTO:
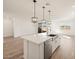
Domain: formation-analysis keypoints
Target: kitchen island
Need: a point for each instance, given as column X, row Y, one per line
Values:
column 39, row 46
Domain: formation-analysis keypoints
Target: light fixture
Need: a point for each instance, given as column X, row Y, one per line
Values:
column 34, row 19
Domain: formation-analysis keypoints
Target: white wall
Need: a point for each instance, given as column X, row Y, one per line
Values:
column 56, row 26
column 17, row 25
column 23, row 25
column 7, row 25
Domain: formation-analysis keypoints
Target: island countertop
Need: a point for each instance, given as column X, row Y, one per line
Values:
column 36, row 38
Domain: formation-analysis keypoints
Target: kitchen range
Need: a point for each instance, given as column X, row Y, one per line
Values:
column 40, row 46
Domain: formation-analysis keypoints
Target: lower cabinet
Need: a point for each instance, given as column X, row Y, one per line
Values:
column 33, row 51
column 36, row 51
column 55, row 44
column 47, row 49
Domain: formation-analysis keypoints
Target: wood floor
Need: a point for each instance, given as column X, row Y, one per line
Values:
column 13, row 48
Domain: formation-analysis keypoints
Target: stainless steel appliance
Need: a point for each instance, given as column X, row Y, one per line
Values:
column 48, row 49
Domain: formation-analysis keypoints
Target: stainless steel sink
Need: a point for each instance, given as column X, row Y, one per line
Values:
column 52, row 35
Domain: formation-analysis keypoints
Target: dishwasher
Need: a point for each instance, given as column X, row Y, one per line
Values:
column 47, row 49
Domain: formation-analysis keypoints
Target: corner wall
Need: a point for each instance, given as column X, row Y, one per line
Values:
column 7, row 25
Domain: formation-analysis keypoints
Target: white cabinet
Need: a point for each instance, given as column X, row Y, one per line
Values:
column 36, row 51
column 55, row 44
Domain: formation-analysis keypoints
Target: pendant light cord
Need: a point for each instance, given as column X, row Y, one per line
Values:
column 43, row 13
column 34, row 9
column 49, row 14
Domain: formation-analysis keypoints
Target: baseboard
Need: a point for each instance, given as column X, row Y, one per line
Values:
column 8, row 36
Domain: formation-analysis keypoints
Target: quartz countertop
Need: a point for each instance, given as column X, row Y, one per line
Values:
column 36, row 38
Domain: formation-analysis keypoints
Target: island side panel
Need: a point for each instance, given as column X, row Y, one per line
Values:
column 41, row 51
column 33, row 51
column 25, row 49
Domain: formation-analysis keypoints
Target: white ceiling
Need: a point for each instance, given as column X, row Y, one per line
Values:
column 61, row 9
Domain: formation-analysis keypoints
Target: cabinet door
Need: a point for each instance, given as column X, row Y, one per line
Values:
column 33, row 51
column 55, row 44
column 57, row 41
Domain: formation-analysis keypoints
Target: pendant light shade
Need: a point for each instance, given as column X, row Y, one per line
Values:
column 34, row 18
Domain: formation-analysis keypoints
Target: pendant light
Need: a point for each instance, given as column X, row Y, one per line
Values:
column 34, row 19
